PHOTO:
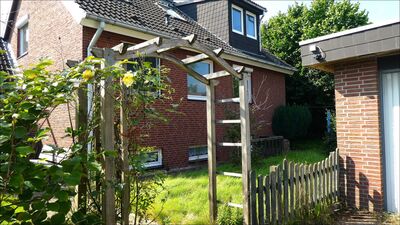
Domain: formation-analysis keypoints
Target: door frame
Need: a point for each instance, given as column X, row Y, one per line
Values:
column 381, row 72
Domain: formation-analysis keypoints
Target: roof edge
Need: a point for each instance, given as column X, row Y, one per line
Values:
column 350, row 31
column 149, row 34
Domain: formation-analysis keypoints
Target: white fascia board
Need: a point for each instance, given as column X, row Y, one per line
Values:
column 347, row 32
column 76, row 12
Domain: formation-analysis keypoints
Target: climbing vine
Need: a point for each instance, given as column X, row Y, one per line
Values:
column 36, row 191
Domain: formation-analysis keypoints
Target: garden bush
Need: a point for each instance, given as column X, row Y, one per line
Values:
column 292, row 122
column 330, row 139
column 229, row 216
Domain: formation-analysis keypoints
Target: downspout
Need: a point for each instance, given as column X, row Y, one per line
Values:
column 90, row 93
column 259, row 31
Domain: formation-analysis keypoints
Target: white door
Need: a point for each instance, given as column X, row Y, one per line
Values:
column 391, row 124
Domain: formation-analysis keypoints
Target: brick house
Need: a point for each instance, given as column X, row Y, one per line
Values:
column 67, row 30
column 365, row 62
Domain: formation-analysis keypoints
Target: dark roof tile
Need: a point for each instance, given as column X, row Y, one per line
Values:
column 150, row 15
column 5, row 59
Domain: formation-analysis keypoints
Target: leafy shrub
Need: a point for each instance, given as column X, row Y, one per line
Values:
column 291, row 122
column 229, row 216
column 330, row 140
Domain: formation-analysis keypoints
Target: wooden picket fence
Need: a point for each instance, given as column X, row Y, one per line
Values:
column 291, row 187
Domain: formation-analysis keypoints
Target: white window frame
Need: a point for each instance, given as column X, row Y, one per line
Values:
column 198, row 157
column 156, row 163
column 200, row 97
column 21, row 23
column 241, row 20
column 255, row 25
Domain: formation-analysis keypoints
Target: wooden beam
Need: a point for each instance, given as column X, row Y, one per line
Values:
column 191, row 38
column 125, row 198
column 122, row 47
column 220, row 74
column 230, row 174
column 246, row 145
column 179, row 63
column 211, row 146
column 201, row 57
column 107, row 139
column 229, row 100
column 229, row 144
column 166, row 45
column 155, row 41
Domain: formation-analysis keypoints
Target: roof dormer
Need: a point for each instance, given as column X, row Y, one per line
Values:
column 236, row 22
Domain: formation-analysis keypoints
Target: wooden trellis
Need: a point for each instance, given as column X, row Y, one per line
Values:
column 160, row 48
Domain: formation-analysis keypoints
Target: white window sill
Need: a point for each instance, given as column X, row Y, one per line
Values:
column 251, row 37
column 198, row 157
column 237, row 31
column 197, row 97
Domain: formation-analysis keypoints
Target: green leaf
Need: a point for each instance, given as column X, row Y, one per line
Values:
column 20, row 132
column 58, row 218
column 24, row 150
column 54, row 206
column 3, row 139
column 62, row 196
column 72, row 179
column 94, row 166
column 17, row 180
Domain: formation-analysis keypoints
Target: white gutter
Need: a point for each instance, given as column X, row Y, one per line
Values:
column 90, row 93
column 350, row 31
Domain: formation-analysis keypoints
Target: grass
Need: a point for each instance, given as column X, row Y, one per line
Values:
column 185, row 197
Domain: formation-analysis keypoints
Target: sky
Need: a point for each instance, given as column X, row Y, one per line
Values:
column 379, row 10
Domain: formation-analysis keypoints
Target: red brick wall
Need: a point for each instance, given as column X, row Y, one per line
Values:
column 358, row 132
column 52, row 33
column 189, row 127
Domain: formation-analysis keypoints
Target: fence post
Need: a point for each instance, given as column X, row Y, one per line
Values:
column 253, row 196
column 279, row 193
column 267, row 190
column 291, row 174
column 273, row 193
column 260, row 200
column 285, row 190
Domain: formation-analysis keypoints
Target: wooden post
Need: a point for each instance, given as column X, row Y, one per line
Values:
column 245, row 140
column 81, row 123
column 107, row 139
column 211, row 145
column 125, row 201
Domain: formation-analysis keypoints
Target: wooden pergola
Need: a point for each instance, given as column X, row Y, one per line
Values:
column 160, row 48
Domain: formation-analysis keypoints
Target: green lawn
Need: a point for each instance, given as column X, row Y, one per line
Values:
column 185, row 197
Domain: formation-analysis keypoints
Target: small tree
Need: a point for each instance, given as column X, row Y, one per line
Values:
column 282, row 34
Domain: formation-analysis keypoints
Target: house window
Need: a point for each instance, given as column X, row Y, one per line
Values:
column 196, row 89
column 251, row 25
column 198, row 153
column 23, row 35
column 237, row 19
column 154, row 158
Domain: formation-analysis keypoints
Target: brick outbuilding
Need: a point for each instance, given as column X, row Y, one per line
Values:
column 365, row 63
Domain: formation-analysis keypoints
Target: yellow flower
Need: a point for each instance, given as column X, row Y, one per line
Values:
column 87, row 75
column 128, row 79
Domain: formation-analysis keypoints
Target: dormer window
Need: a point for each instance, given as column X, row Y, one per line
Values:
column 23, row 36
column 237, row 19
column 251, row 25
